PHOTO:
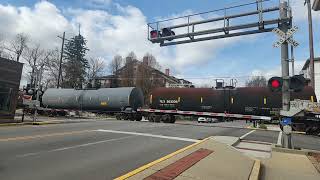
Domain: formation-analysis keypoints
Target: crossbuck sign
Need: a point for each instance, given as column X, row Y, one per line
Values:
column 286, row 37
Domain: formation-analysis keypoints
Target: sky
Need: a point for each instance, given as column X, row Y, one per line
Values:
column 120, row 26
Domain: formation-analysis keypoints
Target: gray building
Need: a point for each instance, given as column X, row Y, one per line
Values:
column 10, row 76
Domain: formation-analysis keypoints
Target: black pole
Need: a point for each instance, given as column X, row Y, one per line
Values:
column 61, row 56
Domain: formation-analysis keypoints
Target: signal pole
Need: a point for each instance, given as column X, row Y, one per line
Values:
column 61, row 56
column 285, row 70
column 311, row 49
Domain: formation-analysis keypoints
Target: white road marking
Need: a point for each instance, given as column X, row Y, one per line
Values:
column 73, row 147
column 279, row 139
column 149, row 135
column 243, row 136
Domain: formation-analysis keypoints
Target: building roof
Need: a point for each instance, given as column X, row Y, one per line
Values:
column 306, row 64
column 316, row 5
column 172, row 78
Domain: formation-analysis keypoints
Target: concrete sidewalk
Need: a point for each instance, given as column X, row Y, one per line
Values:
column 289, row 166
column 225, row 162
column 220, row 160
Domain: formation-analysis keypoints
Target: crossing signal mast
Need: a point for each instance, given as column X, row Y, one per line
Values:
column 259, row 17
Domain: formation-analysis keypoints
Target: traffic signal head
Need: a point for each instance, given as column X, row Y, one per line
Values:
column 167, row 32
column 275, row 84
column 154, row 34
column 297, row 83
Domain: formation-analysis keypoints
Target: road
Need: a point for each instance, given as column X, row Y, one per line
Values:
column 106, row 149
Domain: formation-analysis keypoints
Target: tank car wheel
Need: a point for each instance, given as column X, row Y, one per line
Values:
column 166, row 118
column 138, row 117
column 152, row 117
column 172, row 119
column 118, row 117
column 126, row 117
column 157, row 118
column 131, row 117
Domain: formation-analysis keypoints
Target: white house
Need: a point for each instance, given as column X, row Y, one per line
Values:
column 306, row 73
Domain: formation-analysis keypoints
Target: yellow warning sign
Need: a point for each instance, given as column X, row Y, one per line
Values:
column 104, row 103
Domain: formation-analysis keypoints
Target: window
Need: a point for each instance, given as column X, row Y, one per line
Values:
column 5, row 95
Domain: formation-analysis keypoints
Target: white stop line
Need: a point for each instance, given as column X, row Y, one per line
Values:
column 149, row 135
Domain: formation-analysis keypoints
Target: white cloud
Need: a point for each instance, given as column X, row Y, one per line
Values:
column 42, row 23
column 300, row 13
column 276, row 70
column 107, row 34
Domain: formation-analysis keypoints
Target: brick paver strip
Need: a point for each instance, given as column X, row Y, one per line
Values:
column 175, row 169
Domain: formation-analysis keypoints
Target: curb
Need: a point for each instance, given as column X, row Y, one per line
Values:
column 293, row 132
column 12, row 124
column 203, row 125
column 255, row 172
column 276, row 148
column 43, row 123
column 144, row 167
column 29, row 123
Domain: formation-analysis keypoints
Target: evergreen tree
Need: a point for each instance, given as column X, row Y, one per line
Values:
column 76, row 64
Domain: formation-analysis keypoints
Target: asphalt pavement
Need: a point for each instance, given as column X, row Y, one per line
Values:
column 105, row 149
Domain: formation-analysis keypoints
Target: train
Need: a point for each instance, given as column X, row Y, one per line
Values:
column 164, row 104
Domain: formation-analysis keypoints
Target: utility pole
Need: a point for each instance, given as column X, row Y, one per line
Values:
column 285, row 69
column 292, row 60
column 61, row 56
column 310, row 43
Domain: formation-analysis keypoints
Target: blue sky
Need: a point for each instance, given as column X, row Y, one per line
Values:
column 241, row 58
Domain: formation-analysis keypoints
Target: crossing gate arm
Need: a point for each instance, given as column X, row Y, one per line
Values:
column 210, row 114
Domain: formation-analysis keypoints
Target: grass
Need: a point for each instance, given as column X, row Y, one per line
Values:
column 262, row 126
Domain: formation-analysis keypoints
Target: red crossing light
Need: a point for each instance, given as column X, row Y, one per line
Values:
column 154, row 34
column 275, row 84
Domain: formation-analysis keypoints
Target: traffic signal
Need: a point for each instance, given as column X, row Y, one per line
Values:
column 297, row 83
column 154, row 34
column 275, row 84
column 168, row 32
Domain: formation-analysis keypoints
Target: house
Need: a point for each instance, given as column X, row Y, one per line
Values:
column 136, row 73
column 306, row 73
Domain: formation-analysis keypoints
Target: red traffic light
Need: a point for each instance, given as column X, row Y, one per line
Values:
column 275, row 84
column 154, row 34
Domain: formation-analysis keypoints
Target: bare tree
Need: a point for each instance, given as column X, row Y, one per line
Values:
column 129, row 70
column 257, row 81
column 96, row 68
column 19, row 44
column 130, row 57
column 37, row 59
column 116, row 64
column 52, row 67
column 150, row 60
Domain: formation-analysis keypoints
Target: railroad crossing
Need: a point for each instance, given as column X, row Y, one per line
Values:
column 282, row 27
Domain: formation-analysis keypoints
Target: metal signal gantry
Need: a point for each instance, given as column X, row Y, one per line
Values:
column 183, row 29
